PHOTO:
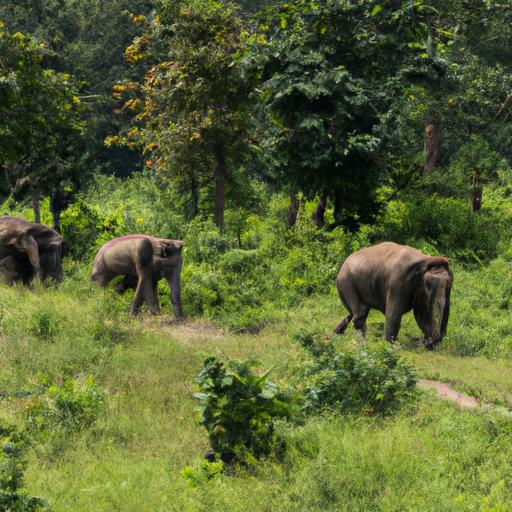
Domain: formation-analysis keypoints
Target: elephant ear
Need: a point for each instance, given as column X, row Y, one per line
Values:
column 171, row 248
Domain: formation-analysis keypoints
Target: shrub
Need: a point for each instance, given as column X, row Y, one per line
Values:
column 202, row 471
column 238, row 409
column 373, row 381
column 12, row 467
column 44, row 324
column 67, row 408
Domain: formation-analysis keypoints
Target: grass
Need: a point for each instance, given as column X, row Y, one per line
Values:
column 432, row 456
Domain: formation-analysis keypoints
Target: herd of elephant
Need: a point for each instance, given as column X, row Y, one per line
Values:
column 389, row 277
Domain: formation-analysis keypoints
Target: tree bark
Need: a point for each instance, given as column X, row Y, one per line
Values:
column 56, row 207
column 220, row 184
column 432, row 139
column 318, row 216
column 36, row 205
column 293, row 210
column 477, row 199
column 194, row 196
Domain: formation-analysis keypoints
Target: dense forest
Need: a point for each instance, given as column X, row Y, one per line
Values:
column 274, row 138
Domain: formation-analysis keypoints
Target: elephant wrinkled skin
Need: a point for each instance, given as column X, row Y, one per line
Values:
column 28, row 251
column 395, row 279
column 142, row 260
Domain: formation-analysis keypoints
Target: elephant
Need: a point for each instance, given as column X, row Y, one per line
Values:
column 142, row 260
column 394, row 279
column 29, row 251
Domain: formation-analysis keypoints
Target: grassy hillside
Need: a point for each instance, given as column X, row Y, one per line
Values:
column 430, row 456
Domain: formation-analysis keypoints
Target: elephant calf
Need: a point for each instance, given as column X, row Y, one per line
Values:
column 142, row 260
column 395, row 279
column 28, row 251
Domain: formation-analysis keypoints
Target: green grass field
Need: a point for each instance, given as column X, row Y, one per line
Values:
column 431, row 456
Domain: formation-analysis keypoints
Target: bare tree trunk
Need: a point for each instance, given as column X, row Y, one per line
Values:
column 318, row 216
column 56, row 207
column 432, row 139
column 36, row 205
column 220, row 184
column 476, row 195
column 293, row 210
column 194, row 196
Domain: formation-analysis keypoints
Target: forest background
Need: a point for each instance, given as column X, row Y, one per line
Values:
column 274, row 138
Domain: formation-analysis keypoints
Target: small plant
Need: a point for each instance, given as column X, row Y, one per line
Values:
column 374, row 381
column 238, row 409
column 70, row 407
column 12, row 467
column 44, row 324
column 202, row 472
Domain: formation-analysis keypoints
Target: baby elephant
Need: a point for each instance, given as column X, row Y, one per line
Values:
column 142, row 260
column 395, row 279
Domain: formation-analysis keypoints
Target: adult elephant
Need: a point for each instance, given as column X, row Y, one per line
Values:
column 28, row 251
column 142, row 260
column 394, row 279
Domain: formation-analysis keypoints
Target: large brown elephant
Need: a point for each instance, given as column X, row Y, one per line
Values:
column 395, row 279
column 28, row 251
column 142, row 260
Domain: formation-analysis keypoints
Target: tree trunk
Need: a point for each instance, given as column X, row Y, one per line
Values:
column 220, row 184
column 477, row 199
column 194, row 196
column 318, row 216
column 36, row 205
column 476, row 195
column 56, row 207
column 432, row 139
column 293, row 210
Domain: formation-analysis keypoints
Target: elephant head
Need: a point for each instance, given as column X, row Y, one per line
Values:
column 432, row 299
column 168, row 263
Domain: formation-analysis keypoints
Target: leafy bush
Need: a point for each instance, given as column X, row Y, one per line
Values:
column 373, row 381
column 238, row 409
column 67, row 408
column 12, row 467
column 44, row 324
column 201, row 472
column 446, row 223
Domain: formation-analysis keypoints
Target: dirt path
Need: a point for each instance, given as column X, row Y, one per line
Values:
column 446, row 391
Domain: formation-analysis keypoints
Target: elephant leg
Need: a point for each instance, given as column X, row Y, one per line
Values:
column 360, row 317
column 151, row 296
column 393, row 319
column 140, row 293
column 340, row 328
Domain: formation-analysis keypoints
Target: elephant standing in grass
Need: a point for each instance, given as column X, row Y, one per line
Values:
column 142, row 260
column 395, row 279
column 29, row 251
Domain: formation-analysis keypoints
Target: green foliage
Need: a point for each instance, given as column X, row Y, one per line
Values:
column 202, row 472
column 44, row 324
column 372, row 381
column 447, row 224
column 41, row 123
column 65, row 409
column 238, row 409
column 12, row 467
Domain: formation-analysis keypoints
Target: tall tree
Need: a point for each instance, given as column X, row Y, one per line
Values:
column 331, row 72
column 41, row 125
column 194, row 107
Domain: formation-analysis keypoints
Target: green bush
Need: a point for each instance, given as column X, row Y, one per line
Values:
column 238, row 409
column 375, row 381
column 448, row 224
column 12, row 468
column 68, row 408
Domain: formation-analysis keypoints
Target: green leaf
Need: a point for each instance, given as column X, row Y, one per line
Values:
column 376, row 10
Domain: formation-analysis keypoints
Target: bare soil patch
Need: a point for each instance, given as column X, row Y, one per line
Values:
column 446, row 391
